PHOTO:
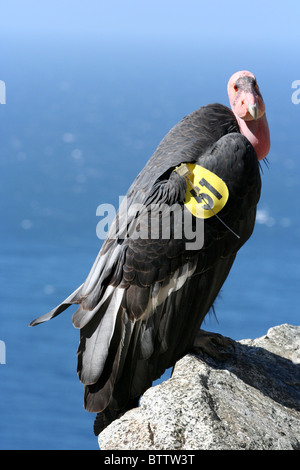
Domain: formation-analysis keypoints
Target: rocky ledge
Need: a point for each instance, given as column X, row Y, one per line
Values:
column 251, row 401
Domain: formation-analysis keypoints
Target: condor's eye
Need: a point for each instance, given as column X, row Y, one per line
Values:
column 235, row 87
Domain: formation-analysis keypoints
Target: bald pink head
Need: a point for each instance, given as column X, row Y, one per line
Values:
column 248, row 107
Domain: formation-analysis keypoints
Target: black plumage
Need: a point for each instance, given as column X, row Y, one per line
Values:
column 144, row 300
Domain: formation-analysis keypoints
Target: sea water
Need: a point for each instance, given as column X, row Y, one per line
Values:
column 79, row 122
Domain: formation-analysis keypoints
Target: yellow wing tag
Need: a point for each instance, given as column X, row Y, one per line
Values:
column 206, row 193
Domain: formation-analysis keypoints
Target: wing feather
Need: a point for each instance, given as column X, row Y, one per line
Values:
column 95, row 339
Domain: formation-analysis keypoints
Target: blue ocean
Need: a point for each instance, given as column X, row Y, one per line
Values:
column 81, row 118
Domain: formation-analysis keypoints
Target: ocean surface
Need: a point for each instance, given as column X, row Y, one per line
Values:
column 81, row 119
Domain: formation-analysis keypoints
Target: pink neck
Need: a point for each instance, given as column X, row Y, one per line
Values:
column 258, row 134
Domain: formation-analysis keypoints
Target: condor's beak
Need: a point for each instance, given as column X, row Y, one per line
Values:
column 253, row 110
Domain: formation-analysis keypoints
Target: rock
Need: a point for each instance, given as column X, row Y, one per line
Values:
column 251, row 401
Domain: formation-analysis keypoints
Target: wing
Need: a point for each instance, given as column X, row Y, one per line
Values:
column 185, row 142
